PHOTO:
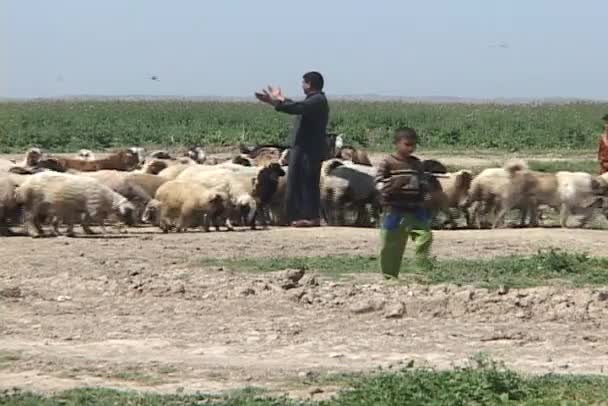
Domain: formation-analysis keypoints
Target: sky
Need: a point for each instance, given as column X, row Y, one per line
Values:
column 458, row 48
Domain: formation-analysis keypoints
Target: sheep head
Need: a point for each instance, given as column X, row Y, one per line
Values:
column 151, row 212
column 266, row 182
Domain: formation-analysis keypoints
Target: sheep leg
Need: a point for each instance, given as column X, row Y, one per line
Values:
column 499, row 220
column 55, row 224
column 33, row 225
column 85, row 224
column 588, row 213
column 564, row 213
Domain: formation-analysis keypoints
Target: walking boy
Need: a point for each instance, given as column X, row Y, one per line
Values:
column 602, row 154
column 403, row 192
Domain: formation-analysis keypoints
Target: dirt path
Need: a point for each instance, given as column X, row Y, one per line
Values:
column 138, row 311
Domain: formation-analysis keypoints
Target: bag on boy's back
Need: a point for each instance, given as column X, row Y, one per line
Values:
column 405, row 188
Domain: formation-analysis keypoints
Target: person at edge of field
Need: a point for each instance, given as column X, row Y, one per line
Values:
column 404, row 193
column 308, row 148
column 602, row 153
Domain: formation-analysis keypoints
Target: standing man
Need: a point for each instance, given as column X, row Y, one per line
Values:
column 308, row 148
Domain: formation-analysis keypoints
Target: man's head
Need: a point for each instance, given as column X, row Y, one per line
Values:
column 312, row 82
column 405, row 140
column 605, row 118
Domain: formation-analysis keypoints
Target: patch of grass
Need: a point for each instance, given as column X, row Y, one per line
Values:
column 583, row 165
column 145, row 379
column 480, row 382
column 8, row 357
column 512, row 271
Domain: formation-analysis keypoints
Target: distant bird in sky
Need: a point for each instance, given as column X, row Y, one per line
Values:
column 501, row 44
column 154, row 77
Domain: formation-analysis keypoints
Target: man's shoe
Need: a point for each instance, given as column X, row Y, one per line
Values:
column 306, row 223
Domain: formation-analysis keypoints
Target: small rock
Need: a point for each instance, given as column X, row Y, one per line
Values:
column 289, row 278
column 11, row 292
column 306, row 375
column 602, row 296
column 315, row 391
column 81, row 254
column 247, row 292
column 368, row 306
column 63, row 298
column 395, row 311
column 179, row 289
column 309, row 280
column 503, row 290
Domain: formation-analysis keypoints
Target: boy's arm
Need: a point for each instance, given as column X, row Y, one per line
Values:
column 382, row 174
column 302, row 107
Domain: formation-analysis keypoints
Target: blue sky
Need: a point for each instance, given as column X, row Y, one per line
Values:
column 466, row 48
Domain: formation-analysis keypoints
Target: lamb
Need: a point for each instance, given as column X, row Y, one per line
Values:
column 8, row 204
column 126, row 160
column 86, row 155
column 579, row 192
column 499, row 188
column 455, row 187
column 69, row 199
column 181, row 201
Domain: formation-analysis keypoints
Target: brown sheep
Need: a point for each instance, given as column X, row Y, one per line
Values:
column 125, row 160
column 455, row 187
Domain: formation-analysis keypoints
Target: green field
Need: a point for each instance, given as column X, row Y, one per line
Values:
column 66, row 126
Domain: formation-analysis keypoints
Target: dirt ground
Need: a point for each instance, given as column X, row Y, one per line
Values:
column 139, row 311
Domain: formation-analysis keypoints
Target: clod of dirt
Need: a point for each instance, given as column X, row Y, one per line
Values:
column 11, row 292
column 247, row 292
column 395, row 311
column 288, row 279
column 503, row 290
column 309, row 280
column 602, row 296
column 179, row 289
column 367, row 306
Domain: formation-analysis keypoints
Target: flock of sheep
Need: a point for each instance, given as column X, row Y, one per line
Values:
column 190, row 191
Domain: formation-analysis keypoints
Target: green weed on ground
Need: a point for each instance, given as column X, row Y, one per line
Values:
column 547, row 266
column 70, row 125
column 481, row 382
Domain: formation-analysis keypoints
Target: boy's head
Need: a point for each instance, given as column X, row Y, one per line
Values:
column 405, row 140
column 605, row 118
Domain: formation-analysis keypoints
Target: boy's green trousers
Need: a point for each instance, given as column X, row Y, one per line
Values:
column 396, row 228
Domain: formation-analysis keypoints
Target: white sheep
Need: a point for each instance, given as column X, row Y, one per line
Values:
column 8, row 203
column 579, row 192
column 69, row 199
column 499, row 190
column 178, row 203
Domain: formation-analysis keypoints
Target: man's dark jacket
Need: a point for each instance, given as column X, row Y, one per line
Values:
column 310, row 127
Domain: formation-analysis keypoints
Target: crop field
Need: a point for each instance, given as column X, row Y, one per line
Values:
column 285, row 316
column 67, row 126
